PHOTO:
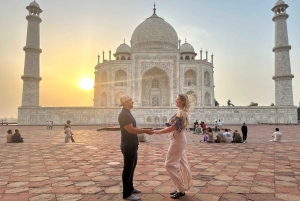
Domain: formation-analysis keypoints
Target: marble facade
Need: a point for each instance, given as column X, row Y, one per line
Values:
column 154, row 69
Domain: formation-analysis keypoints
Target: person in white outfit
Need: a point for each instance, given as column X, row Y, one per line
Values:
column 68, row 134
column 227, row 136
column 176, row 161
column 220, row 124
column 276, row 135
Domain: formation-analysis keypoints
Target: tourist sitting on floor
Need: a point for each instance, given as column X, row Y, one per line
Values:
column 227, row 136
column 205, row 137
column 16, row 137
column 237, row 137
column 210, row 135
column 276, row 136
column 220, row 138
column 9, row 136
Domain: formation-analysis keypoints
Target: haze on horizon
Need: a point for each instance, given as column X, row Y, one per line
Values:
column 239, row 33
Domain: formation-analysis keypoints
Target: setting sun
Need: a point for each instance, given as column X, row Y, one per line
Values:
column 86, row 83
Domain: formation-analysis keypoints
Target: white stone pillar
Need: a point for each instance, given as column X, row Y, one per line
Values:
column 283, row 77
column 31, row 77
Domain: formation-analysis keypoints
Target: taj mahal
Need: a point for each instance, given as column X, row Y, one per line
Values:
column 153, row 68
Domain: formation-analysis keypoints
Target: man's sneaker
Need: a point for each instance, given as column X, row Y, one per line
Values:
column 136, row 191
column 132, row 197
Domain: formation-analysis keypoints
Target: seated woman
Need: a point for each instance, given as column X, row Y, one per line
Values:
column 220, row 138
column 237, row 137
column 9, row 136
column 16, row 137
column 210, row 135
column 205, row 137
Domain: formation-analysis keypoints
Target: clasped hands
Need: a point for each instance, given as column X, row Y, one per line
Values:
column 151, row 131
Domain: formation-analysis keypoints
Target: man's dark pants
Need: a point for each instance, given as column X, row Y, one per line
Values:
column 130, row 153
column 244, row 136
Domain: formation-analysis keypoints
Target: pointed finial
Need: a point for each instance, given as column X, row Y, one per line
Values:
column 124, row 40
column 154, row 10
column 185, row 40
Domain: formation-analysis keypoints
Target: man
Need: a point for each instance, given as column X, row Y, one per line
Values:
column 195, row 126
column 276, row 135
column 244, row 130
column 220, row 125
column 129, row 146
column 216, row 126
column 16, row 137
column 68, row 125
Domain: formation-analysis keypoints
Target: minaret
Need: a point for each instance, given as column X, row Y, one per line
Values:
column 283, row 77
column 31, row 78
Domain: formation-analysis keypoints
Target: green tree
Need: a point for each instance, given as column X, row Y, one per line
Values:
column 298, row 110
column 216, row 103
column 272, row 104
column 253, row 104
column 229, row 103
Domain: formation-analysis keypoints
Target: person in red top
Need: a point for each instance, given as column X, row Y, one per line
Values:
column 203, row 126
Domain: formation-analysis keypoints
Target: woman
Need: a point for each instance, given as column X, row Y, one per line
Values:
column 176, row 161
column 210, row 135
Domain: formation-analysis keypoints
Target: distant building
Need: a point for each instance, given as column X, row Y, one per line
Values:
column 154, row 69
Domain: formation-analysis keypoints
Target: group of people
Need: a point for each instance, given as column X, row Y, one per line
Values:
column 225, row 137
column 14, row 138
column 49, row 125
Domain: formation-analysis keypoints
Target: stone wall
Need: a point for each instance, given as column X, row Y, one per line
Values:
column 157, row 116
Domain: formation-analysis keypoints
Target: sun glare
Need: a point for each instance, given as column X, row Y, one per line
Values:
column 86, row 83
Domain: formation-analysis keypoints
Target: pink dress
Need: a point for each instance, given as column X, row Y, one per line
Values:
column 176, row 161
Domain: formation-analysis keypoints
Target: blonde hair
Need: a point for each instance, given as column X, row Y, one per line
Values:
column 187, row 106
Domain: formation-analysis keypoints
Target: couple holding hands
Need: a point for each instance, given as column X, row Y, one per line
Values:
column 176, row 161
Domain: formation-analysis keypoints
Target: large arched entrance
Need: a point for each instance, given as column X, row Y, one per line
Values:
column 155, row 88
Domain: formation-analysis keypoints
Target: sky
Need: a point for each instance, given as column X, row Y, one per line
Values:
column 239, row 33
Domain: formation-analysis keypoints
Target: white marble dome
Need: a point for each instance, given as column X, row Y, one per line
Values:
column 123, row 48
column 154, row 33
column 34, row 4
column 186, row 48
column 279, row 2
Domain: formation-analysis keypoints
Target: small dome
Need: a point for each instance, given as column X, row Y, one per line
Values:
column 279, row 2
column 123, row 48
column 186, row 47
column 34, row 4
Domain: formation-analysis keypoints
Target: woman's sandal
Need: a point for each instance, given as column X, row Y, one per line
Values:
column 174, row 192
column 177, row 195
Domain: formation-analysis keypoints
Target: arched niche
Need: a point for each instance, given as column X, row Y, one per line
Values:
column 103, row 99
column 103, row 79
column 190, row 78
column 155, row 87
column 206, row 79
column 120, row 78
column 207, row 99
